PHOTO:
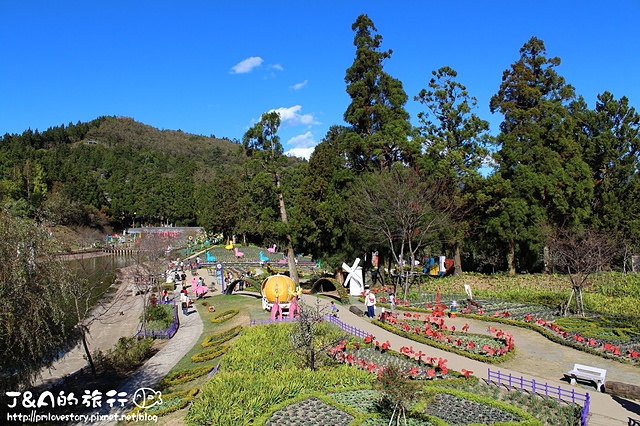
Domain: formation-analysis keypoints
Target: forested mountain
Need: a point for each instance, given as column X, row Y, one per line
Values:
column 110, row 171
column 374, row 182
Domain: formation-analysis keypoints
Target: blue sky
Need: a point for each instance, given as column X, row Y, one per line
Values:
column 212, row 67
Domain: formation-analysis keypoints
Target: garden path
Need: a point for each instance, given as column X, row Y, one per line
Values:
column 156, row 368
column 118, row 318
column 536, row 358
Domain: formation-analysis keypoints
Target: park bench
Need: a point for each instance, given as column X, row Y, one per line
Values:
column 585, row 372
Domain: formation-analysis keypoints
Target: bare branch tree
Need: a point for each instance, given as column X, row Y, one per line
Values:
column 311, row 337
column 408, row 211
column 580, row 253
column 151, row 253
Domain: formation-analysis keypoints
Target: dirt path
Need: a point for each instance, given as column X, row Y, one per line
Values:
column 116, row 319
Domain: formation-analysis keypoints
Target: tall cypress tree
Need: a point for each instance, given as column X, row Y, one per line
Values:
column 540, row 160
column 380, row 126
column 611, row 137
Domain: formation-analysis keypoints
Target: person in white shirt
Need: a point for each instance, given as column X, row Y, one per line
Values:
column 370, row 303
column 184, row 300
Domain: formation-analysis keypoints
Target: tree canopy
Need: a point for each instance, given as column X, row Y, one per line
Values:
column 37, row 319
column 556, row 163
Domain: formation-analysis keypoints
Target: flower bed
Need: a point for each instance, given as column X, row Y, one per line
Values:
column 310, row 411
column 437, row 407
column 362, row 400
column 610, row 337
column 212, row 353
column 456, row 407
column 216, row 339
column 170, row 402
column 374, row 357
column 433, row 331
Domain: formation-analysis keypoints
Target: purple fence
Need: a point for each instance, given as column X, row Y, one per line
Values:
column 164, row 334
column 543, row 389
column 270, row 321
column 346, row 327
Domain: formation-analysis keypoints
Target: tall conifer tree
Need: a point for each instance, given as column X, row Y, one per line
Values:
column 454, row 140
column 380, row 127
column 540, row 162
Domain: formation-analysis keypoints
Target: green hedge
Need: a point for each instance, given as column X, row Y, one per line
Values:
column 183, row 397
column 225, row 316
column 213, row 352
column 185, row 375
column 216, row 339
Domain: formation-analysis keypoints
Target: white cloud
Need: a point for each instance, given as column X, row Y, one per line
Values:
column 247, row 65
column 303, row 146
column 300, row 152
column 299, row 85
column 276, row 67
column 302, row 141
column 291, row 116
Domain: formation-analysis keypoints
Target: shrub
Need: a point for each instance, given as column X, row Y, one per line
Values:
column 185, row 375
column 224, row 316
column 170, row 402
column 213, row 352
column 158, row 317
column 215, row 339
column 128, row 353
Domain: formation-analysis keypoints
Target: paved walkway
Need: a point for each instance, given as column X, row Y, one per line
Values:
column 154, row 370
column 537, row 358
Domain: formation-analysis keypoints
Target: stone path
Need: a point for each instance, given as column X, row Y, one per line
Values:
column 536, row 358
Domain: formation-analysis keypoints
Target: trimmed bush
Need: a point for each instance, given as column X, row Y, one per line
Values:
column 225, row 316
column 216, row 339
column 170, row 402
column 183, row 376
column 212, row 353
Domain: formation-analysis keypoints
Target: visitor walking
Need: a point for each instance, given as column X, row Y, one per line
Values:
column 370, row 302
column 334, row 309
column 184, row 300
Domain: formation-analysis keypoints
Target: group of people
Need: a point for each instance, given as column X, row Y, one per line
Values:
column 370, row 302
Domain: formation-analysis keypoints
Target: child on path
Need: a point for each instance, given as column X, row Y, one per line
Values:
column 334, row 309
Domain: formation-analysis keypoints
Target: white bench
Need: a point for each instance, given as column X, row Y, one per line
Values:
column 594, row 374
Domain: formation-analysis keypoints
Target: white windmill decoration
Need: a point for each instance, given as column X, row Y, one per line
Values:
column 354, row 280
